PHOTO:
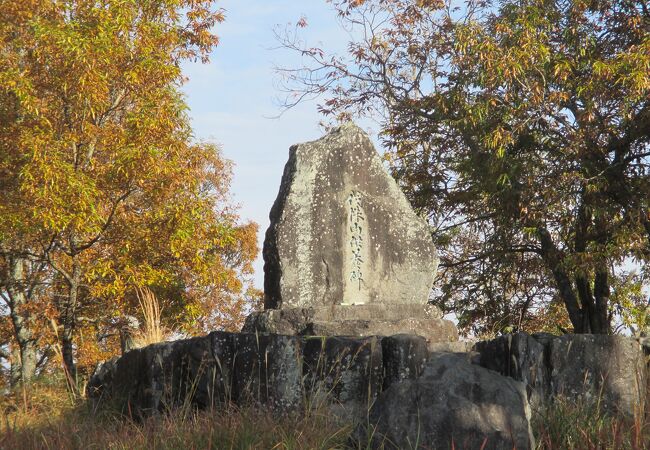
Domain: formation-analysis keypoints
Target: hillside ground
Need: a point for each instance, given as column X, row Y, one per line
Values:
column 48, row 417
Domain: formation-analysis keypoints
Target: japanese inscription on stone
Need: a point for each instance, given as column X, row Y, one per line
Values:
column 357, row 219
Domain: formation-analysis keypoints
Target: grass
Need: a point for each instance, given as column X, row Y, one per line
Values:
column 49, row 418
column 232, row 429
column 152, row 330
column 52, row 421
column 575, row 425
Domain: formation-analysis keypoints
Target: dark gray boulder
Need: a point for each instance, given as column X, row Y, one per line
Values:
column 283, row 373
column 122, row 383
column 344, row 372
column 342, row 231
column 268, row 370
column 223, row 354
column 454, row 404
column 166, row 376
column 100, row 384
column 610, row 370
column 202, row 372
column 519, row 356
column 160, row 377
column 404, row 356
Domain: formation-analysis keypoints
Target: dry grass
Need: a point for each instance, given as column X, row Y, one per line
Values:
column 47, row 417
column 58, row 423
column 152, row 330
column 231, row 429
column 574, row 425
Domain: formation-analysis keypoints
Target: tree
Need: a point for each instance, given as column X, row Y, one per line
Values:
column 22, row 294
column 522, row 129
column 6, row 339
column 103, row 185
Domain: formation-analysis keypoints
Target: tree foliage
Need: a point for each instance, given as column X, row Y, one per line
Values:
column 104, row 188
column 522, row 128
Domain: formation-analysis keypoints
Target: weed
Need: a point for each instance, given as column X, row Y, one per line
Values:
column 581, row 425
column 55, row 423
column 152, row 330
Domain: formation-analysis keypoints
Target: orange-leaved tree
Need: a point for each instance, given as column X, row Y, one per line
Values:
column 103, row 186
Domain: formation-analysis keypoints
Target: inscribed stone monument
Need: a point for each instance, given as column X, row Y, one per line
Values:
column 342, row 231
column 345, row 253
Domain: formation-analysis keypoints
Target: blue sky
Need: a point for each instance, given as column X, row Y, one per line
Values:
column 232, row 98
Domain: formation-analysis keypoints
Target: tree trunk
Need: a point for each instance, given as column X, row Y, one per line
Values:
column 28, row 360
column 601, row 280
column 15, row 368
column 589, row 323
column 552, row 258
column 67, row 352
column 69, row 321
column 588, row 311
column 583, row 287
column 19, row 296
column 601, row 292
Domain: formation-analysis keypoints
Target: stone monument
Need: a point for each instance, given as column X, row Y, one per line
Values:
column 345, row 254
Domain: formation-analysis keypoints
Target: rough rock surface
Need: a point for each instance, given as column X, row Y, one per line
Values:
column 454, row 404
column 357, row 320
column 278, row 371
column 418, row 397
column 404, row 356
column 585, row 367
column 160, row 377
column 519, row 356
column 645, row 344
column 589, row 366
column 268, row 369
column 344, row 372
column 450, row 347
column 342, row 231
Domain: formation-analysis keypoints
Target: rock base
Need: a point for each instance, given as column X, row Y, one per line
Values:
column 284, row 373
column 441, row 398
column 452, row 404
column 611, row 371
column 355, row 320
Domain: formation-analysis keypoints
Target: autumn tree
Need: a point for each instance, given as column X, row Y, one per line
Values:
column 6, row 339
column 103, row 186
column 522, row 128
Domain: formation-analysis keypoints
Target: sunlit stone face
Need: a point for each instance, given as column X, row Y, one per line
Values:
column 342, row 232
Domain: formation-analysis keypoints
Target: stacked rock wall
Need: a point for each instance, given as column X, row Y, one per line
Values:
column 285, row 373
column 396, row 384
column 610, row 370
column 348, row 269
